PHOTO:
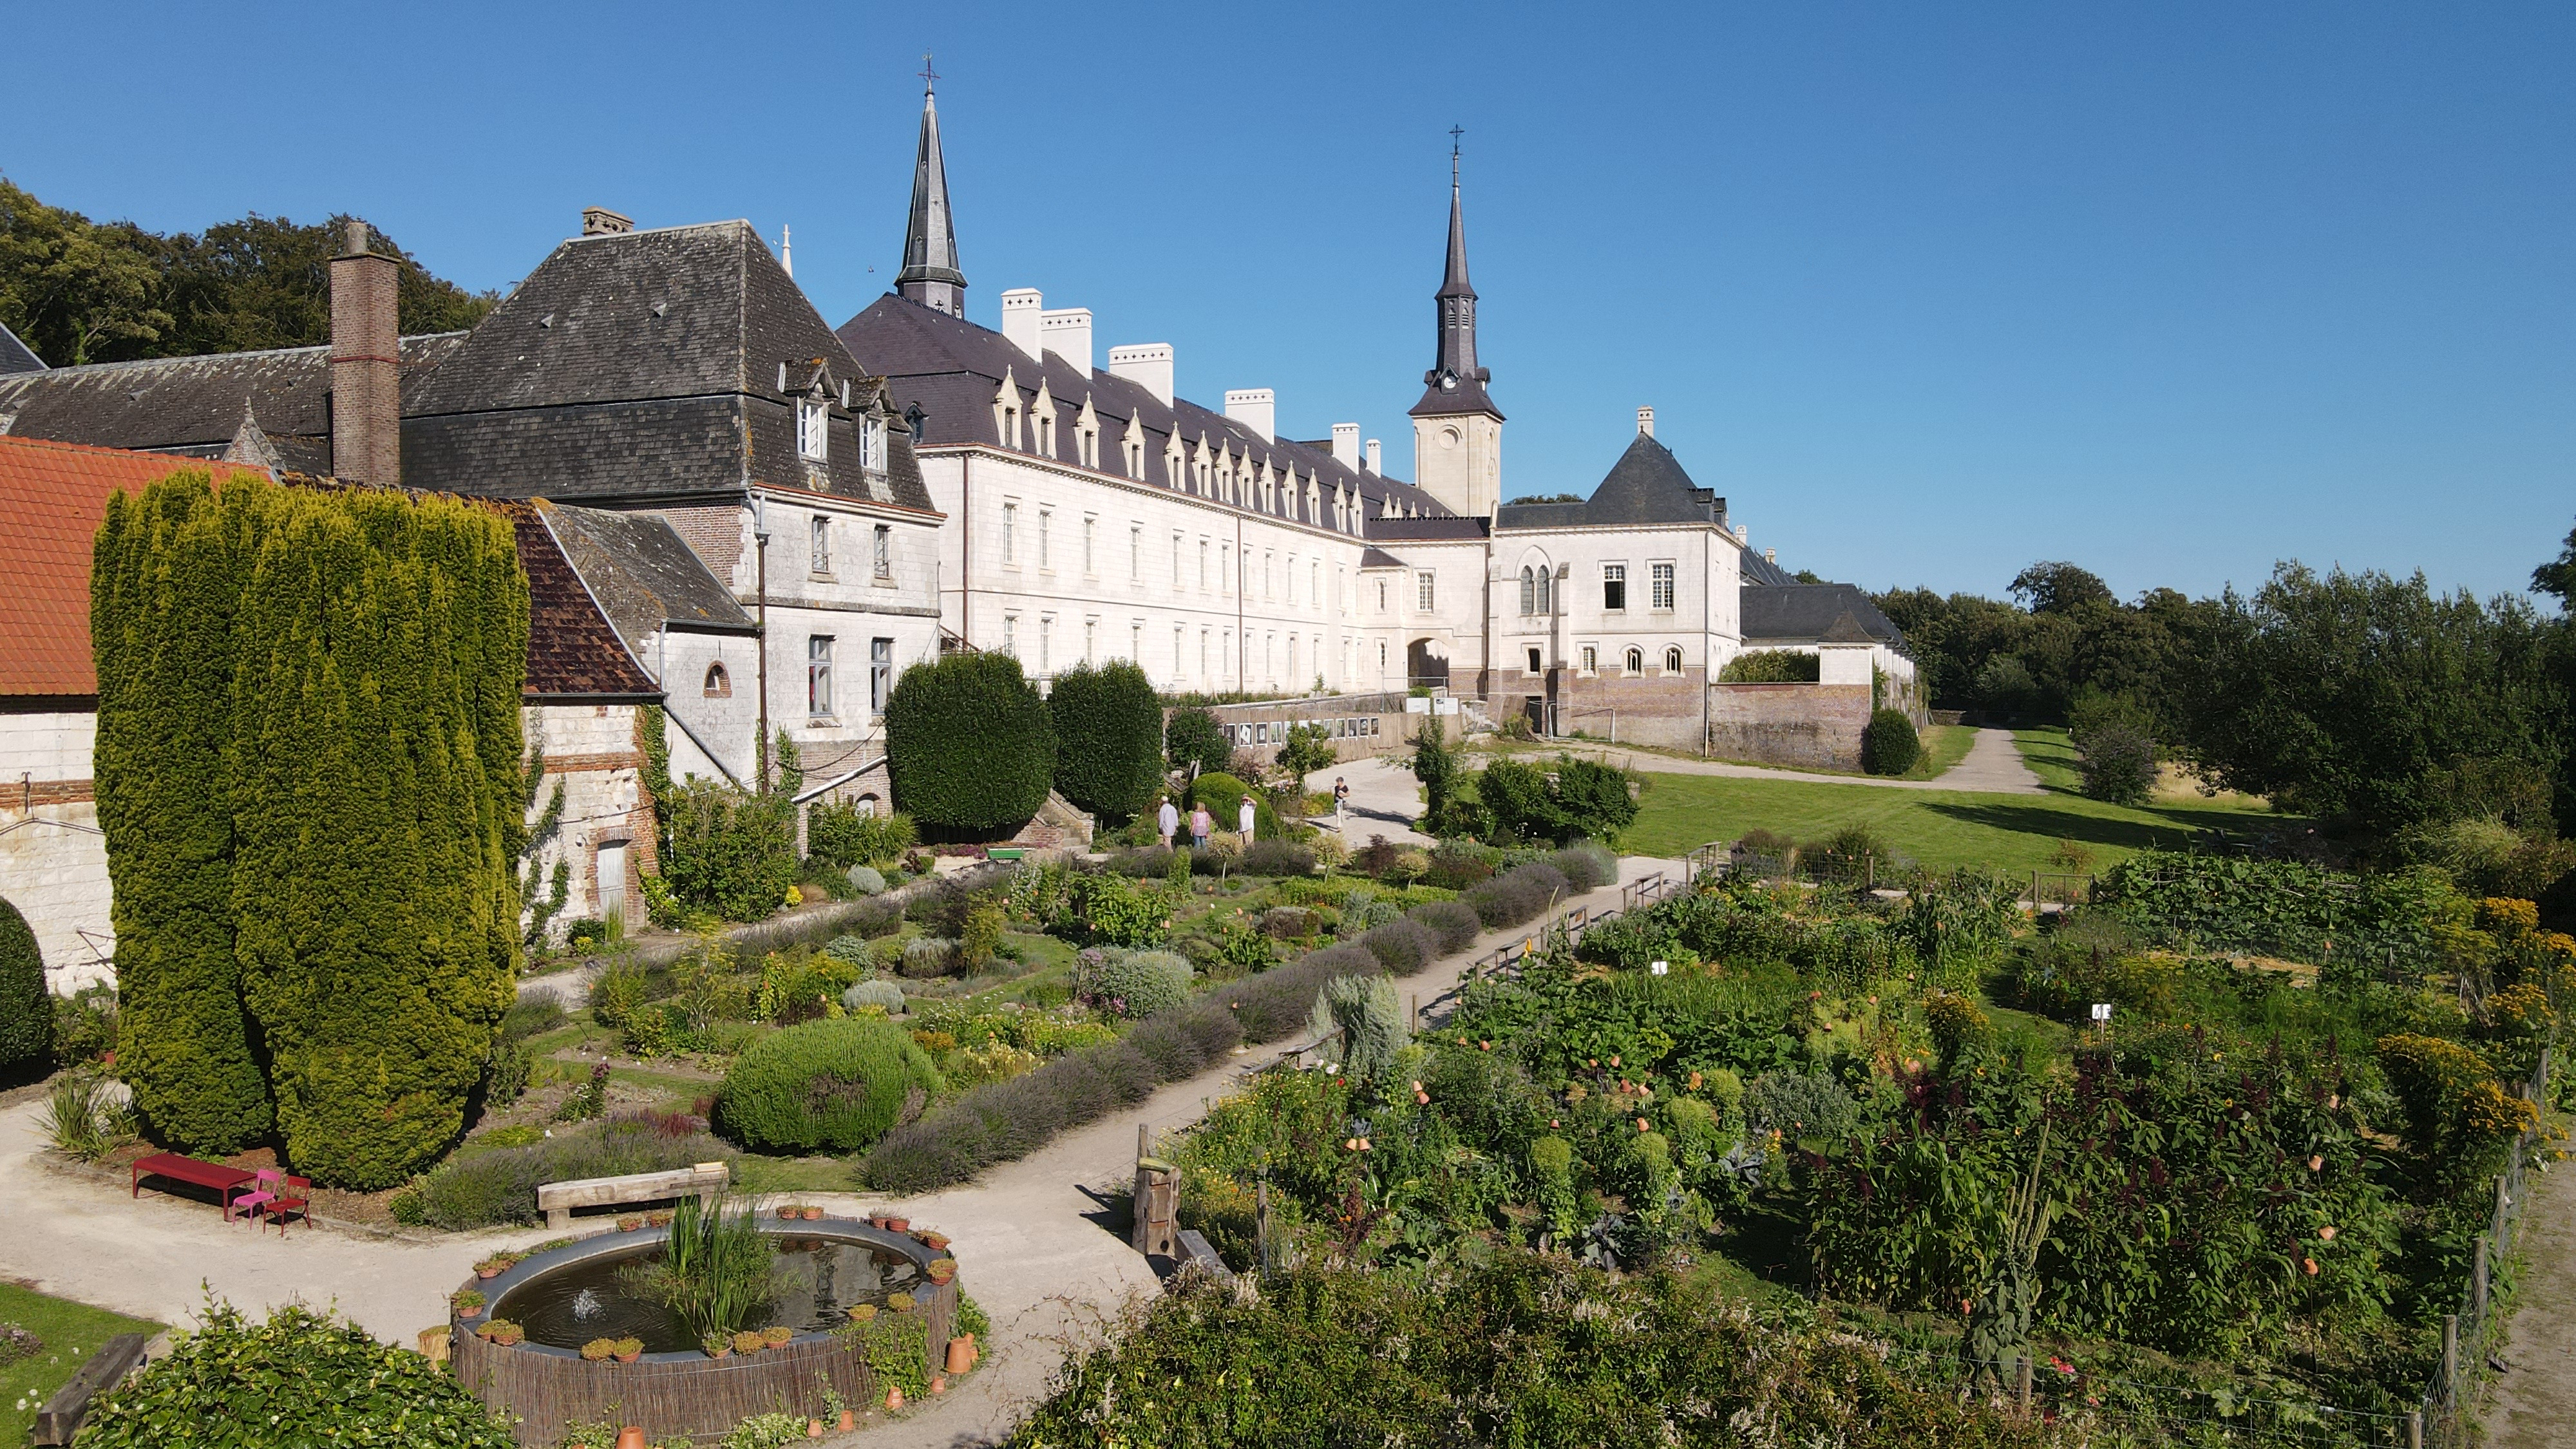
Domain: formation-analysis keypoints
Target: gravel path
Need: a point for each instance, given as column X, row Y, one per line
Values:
column 2532, row 1404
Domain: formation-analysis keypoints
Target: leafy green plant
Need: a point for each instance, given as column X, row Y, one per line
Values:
column 969, row 744
column 301, row 1377
column 717, row 1270
column 1109, row 737
column 1888, row 743
column 26, row 1008
column 81, row 1119
column 1133, row 984
column 1195, row 737
column 1771, row 666
column 732, row 852
column 1360, row 1024
column 833, row 1085
column 837, row 834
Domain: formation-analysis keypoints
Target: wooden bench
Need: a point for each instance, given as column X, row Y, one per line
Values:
column 62, row 1414
column 558, row 1199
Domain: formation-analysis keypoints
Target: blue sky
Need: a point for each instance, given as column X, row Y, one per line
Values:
column 1927, row 292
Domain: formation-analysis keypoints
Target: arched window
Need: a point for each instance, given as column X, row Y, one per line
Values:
column 868, row 806
column 1636, row 660
column 719, row 684
column 1673, row 660
column 1529, row 598
column 1545, row 604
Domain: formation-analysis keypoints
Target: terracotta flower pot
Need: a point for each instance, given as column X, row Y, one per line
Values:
column 896, row 1225
column 630, row 1357
column 935, row 1242
column 786, row 1214
column 939, row 1383
column 630, row 1437
column 487, row 1273
column 849, row 1420
column 813, row 1428
column 469, row 1310
column 961, row 1353
column 894, row 1398
column 813, row 1215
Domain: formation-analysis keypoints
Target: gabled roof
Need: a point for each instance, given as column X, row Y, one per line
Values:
column 1373, row 557
column 195, row 405
column 54, row 496
column 17, row 356
column 1756, row 569
column 1426, row 530
column 645, row 579
column 1772, row 614
column 953, row 369
column 574, row 654
column 1646, row 486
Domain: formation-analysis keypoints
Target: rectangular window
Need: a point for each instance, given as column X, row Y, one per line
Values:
column 1591, row 659
column 1136, row 644
column 1266, row 558
column 1180, row 663
column 872, row 445
column 1614, row 586
column 880, row 674
column 818, row 675
column 1090, row 556
column 1225, row 568
column 1660, row 577
column 1136, row 552
column 1422, row 591
column 1090, row 641
column 822, row 533
column 1176, row 563
column 1011, row 634
column 881, row 557
column 1011, row 533
column 1046, row 642
column 1046, row 539
column 1203, row 567
column 813, row 430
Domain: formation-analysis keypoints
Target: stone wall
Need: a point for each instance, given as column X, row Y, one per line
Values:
column 1363, row 724
column 53, row 860
column 1816, row 726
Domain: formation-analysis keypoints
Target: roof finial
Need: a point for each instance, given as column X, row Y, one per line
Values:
column 786, row 251
column 1454, row 133
column 929, row 77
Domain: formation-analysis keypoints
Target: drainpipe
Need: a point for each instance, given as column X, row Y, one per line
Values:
column 760, row 537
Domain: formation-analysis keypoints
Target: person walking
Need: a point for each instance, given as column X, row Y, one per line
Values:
column 1201, row 823
column 1341, row 797
column 1248, row 817
column 1168, row 819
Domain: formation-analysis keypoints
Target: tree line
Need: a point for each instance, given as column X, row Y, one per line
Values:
column 79, row 291
column 2415, row 726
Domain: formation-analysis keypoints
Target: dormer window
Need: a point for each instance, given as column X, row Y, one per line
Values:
column 872, row 444
column 813, row 429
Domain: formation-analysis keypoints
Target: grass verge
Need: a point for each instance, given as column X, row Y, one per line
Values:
column 1943, row 746
column 71, row 1331
column 1940, row 829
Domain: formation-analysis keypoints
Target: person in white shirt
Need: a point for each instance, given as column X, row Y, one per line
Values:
column 1168, row 819
column 1249, row 817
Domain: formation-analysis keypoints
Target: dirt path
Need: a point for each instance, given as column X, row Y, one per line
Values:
column 1992, row 766
column 2532, row 1404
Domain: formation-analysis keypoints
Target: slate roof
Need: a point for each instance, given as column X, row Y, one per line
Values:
column 1374, row 557
column 1427, row 530
column 1648, row 485
column 635, row 366
column 194, row 405
column 953, row 369
column 54, row 496
column 642, row 576
column 574, row 654
column 1805, row 613
column 17, row 356
column 1757, row 570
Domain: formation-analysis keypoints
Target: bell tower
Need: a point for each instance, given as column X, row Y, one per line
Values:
column 930, row 275
column 1457, row 430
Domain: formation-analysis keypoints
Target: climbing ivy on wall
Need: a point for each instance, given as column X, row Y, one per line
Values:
column 342, row 824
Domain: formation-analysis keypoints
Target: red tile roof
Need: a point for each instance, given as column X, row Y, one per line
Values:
column 573, row 653
column 53, row 497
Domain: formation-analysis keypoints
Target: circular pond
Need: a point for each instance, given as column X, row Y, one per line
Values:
column 820, row 1279
column 565, row 1297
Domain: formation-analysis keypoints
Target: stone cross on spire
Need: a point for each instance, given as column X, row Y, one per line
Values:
column 1455, row 383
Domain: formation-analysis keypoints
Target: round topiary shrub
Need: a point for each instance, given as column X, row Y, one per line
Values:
column 867, row 880
column 1108, row 737
column 969, row 744
column 1223, row 794
column 1133, row 984
column 26, row 1008
column 1889, row 745
column 824, row 1086
column 1194, row 737
column 865, row 994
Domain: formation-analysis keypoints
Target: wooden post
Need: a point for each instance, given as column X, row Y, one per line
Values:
column 2451, row 1359
column 1143, row 1151
column 2415, row 1429
column 2021, row 1375
column 2478, row 1282
column 1417, row 1011
column 1869, row 865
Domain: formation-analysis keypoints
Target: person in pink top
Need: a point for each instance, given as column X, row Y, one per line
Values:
column 1200, row 824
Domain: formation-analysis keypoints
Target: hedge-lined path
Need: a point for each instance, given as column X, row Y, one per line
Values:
column 1046, row 1260
column 2532, row 1404
column 1385, row 800
column 1992, row 766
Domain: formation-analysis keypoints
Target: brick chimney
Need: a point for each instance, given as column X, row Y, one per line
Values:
column 366, row 366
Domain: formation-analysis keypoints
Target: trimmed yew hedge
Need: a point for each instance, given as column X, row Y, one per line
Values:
column 970, row 747
column 1109, row 738
column 26, row 1008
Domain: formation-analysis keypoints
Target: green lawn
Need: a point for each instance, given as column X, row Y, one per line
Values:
column 2050, row 753
column 71, row 1331
column 1943, row 746
column 1939, row 828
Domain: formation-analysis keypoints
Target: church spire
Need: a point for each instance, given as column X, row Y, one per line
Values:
column 930, row 274
column 1455, row 383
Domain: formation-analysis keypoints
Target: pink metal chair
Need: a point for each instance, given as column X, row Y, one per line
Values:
column 264, row 1189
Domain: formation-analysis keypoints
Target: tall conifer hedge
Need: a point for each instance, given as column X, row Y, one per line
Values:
column 1108, row 737
column 970, row 747
column 341, row 829
column 26, row 1008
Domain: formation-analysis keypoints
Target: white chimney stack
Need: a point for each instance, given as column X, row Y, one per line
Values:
column 1369, row 459
column 1770, row 555
column 1346, row 445
column 1146, row 364
column 1743, row 535
column 1066, row 332
column 1022, row 313
column 1646, row 422
column 1254, row 407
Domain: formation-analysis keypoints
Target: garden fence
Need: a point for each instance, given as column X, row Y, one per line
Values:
column 2470, row 1336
